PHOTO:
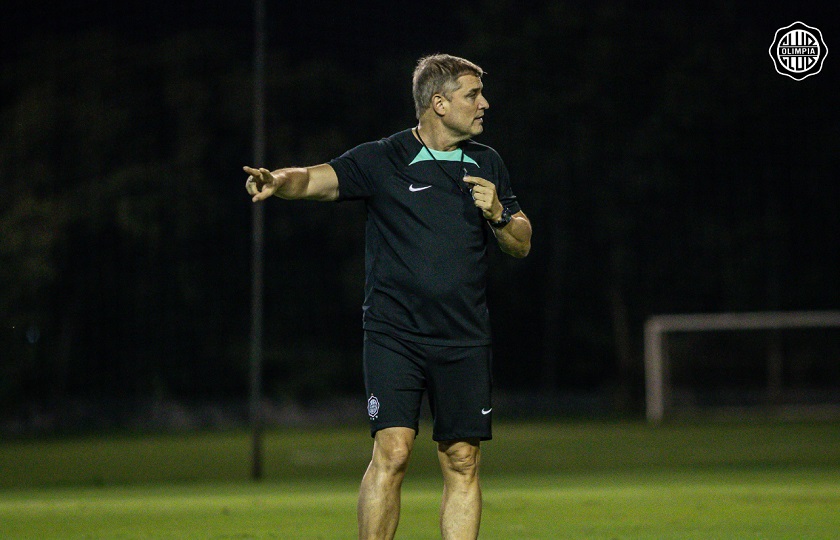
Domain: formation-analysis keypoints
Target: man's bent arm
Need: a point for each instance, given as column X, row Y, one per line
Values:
column 318, row 183
column 515, row 237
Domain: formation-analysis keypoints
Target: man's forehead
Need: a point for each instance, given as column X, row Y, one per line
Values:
column 469, row 82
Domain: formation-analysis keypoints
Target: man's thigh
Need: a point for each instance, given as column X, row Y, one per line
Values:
column 394, row 382
column 460, row 393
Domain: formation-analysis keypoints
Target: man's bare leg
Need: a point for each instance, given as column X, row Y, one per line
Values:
column 379, row 494
column 460, row 512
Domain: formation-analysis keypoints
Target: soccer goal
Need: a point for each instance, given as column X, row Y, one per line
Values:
column 741, row 361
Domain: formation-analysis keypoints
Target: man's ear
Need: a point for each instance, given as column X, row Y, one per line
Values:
column 440, row 104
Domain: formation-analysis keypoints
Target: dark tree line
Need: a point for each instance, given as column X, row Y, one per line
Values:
column 665, row 165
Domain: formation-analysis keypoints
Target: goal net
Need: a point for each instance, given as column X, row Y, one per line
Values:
column 742, row 363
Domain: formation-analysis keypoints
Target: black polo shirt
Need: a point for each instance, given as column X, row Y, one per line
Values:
column 426, row 242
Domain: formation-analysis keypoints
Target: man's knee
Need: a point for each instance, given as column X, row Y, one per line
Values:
column 460, row 457
column 392, row 449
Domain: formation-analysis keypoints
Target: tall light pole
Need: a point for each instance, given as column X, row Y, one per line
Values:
column 257, row 228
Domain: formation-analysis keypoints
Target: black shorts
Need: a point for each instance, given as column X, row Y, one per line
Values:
column 458, row 380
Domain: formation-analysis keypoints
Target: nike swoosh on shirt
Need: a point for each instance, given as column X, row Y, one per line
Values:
column 412, row 188
column 485, row 412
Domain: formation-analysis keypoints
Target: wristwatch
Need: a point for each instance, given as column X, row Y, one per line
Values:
column 504, row 220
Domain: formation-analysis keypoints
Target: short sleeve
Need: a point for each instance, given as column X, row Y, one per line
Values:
column 356, row 180
column 505, row 192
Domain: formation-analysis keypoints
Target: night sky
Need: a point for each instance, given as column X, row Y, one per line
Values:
column 340, row 29
column 354, row 31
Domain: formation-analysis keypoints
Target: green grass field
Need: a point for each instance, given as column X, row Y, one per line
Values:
column 541, row 480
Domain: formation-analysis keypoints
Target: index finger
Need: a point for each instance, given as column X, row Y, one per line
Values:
column 476, row 180
column 251, row 171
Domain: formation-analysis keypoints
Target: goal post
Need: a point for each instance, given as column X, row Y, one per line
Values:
column 658, row 327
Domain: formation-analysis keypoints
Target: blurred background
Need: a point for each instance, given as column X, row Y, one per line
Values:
column 664, row 163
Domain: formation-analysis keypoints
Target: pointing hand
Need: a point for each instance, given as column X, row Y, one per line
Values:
column 485, row 197
column 261, row 184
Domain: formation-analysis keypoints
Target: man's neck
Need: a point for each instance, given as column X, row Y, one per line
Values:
column 437, row 137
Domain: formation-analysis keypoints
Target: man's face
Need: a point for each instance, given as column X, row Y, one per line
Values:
column 466, row 107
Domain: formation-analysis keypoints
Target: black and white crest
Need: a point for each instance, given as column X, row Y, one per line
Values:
column 798, row 51
column 373, row 407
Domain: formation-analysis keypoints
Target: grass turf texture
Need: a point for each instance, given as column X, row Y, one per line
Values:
column 610, row 481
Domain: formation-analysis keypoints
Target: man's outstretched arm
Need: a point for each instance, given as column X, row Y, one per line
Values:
column 317, row 183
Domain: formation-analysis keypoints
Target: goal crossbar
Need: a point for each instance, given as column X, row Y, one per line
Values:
column 658, row 326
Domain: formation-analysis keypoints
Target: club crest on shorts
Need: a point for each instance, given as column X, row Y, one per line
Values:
column 373, row 407
column 798, row 51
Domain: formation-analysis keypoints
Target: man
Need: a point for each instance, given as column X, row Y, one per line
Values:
column 433, row 198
